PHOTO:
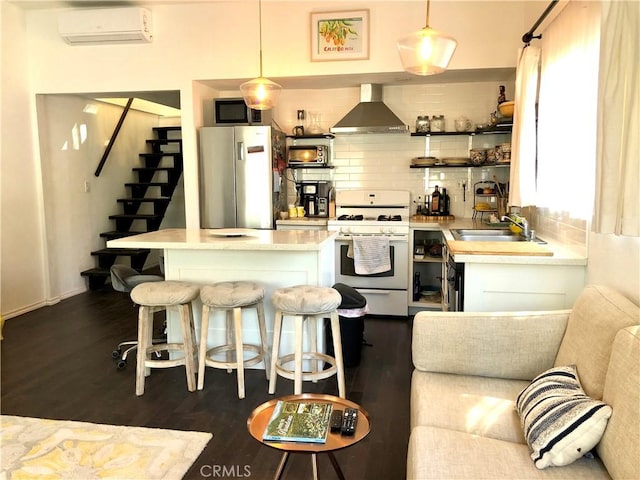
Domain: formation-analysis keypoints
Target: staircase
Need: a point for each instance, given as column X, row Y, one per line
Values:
column 146, row 205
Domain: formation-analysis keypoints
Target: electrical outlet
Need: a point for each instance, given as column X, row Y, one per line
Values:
column 87, row 186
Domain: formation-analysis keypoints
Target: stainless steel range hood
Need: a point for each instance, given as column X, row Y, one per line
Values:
column 371, row 115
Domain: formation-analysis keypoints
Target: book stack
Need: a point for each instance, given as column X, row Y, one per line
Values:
column 305, row 422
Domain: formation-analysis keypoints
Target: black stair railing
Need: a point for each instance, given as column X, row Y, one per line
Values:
column 112, row 140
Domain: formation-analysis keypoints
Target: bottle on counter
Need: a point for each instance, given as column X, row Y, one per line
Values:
column 444, row 202
column 435, row 201
column 416, row 286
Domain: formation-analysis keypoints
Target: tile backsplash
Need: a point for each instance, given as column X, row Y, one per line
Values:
column 383, row 162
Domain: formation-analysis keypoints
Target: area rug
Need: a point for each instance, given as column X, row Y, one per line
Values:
column 54, row 449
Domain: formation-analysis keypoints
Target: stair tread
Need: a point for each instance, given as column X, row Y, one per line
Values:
column 116, row 234
column 129, row 252
column 154, row 169
column 172, row 128
column 144, row 199
column 97, row 272
column 148, row 184
column 160, row 154
column 135, row 215
column 164, row 141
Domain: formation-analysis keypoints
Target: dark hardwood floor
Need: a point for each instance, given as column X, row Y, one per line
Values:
column 56, row 363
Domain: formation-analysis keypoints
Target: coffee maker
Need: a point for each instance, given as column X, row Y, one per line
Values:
column 314, row 196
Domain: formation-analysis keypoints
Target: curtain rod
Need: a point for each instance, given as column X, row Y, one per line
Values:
column 527, row 37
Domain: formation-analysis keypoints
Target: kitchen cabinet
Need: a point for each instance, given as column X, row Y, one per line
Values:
column 509, row 287
column 427, row 262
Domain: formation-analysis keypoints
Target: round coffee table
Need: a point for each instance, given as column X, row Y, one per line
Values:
column 259, row 418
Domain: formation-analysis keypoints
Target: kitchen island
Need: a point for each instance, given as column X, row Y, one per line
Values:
column 274, row 258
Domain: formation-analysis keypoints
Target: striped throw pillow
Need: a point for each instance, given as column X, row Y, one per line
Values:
column 559, row 421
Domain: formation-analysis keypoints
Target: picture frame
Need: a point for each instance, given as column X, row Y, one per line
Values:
column 342, row 35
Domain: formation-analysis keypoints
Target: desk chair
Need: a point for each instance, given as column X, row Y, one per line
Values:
column 123, row 279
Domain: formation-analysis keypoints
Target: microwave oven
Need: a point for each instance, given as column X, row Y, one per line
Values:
column 308, row 155
column 233, row 111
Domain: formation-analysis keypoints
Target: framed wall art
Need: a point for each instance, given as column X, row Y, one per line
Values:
column 340, row 35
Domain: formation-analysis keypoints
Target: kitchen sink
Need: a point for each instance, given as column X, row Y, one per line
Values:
column 490, row 235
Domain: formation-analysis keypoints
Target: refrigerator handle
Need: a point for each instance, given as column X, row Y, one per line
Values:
column 240, row 152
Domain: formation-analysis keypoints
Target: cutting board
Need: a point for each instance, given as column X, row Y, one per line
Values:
column 498, row 248
column 432, row 218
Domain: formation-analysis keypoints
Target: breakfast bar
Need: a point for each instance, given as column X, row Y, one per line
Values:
column 273, row 258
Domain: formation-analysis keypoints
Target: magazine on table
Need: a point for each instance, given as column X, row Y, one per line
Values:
column 306, row 422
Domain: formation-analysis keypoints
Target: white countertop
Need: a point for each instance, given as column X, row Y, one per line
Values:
column 562, row 254
column 192, row 239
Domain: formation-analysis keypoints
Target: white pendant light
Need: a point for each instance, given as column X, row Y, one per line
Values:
column 427, row 51
column 260, row 93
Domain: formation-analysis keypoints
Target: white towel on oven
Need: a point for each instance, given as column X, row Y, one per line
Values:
column 371, row 254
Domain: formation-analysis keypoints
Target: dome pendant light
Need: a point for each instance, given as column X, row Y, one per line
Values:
column 427, row 51
column 260, row 93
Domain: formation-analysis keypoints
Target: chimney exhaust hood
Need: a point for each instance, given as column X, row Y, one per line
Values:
column 371, row 115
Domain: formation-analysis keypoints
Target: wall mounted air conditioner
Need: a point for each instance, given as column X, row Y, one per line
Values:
column 106, row 25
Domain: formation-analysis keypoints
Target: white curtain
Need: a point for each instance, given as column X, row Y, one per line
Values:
column 523, row 143
column 617, row 202
column 567, row 111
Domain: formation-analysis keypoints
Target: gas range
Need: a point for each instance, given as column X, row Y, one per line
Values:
column 369, row 212
column 374, row 213
column 379, row 218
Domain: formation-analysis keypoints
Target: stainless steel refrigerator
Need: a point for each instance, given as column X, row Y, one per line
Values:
column 239, row 179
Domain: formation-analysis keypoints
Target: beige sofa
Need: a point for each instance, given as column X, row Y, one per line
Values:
column 470, row 367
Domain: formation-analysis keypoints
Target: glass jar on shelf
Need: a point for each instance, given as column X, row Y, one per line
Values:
column 422, row 124
column 437, row 123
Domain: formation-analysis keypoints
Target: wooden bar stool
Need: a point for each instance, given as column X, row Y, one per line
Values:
column 232, row 297
column 153, row 297
column 306, row 304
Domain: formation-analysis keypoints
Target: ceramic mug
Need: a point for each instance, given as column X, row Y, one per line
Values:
column 298, row 130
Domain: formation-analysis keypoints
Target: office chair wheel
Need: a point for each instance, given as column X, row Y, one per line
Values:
column 121, row 364
column 116, row 354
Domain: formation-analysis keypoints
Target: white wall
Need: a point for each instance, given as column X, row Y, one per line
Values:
column 202, row 41
column 615, row 261
column 23, row 254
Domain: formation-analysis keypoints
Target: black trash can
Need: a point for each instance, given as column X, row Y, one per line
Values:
column 351, row 312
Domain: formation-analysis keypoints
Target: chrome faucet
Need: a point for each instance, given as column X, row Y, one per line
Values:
column 524, row 225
